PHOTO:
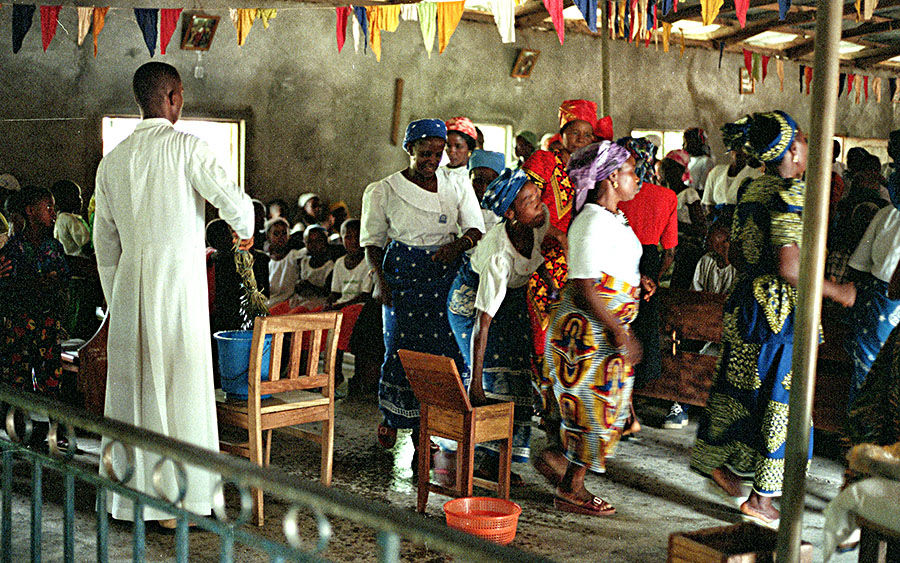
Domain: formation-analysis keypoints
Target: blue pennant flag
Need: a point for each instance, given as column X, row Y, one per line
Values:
column 589, row 11
column 363, row 20
column 148, row 21
column 21, row 23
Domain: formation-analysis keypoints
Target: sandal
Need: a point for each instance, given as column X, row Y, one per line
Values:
column 594, row 507
column 387, row 436
column 750, row 515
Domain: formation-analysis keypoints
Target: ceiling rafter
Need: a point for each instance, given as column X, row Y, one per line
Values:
column 865, row 28
column 872, row 57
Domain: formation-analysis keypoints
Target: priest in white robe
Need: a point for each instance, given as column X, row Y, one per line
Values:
column 151, row 192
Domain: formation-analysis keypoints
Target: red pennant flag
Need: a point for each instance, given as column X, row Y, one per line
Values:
column 741, row 7
column 850, row 79
column 866, row 87
column 765, row 67
column 49, row 19
column 555, row 9
column 809, row 71
column 168, row 19
column 343, row 13
column 748, row 62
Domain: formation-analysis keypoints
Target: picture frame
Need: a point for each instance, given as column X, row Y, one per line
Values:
column 746, row 84
column 199, row 30
column 525, row 62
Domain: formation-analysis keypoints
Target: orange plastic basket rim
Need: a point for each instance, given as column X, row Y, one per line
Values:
column 513, row 509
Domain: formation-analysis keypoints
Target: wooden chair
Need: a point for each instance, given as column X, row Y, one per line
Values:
column 89, row 363
column 297, row 398
column 446, row 412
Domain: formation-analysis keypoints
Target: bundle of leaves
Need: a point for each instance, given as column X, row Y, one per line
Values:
column 253, row 302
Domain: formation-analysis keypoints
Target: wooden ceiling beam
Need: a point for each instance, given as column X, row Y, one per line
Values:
column 533, row 15
column 793, row 18
column 872, row 57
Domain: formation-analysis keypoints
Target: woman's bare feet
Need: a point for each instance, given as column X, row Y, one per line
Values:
column 551, row 464
column 728, row 481
column 760, row 507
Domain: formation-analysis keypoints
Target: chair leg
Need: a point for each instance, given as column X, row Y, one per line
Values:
column 256, row 456
column 268, row 453
column 327, row 450
column 465, row 465
column 505, row 467
column 424, row 448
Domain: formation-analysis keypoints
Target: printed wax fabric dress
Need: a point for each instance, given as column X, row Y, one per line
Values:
column 744, row 424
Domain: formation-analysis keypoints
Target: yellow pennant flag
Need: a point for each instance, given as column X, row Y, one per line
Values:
column 710, row 9
column 876, row 86
column 266, row 14
column 858, row 5
column 385, row 18
column 667, row 31
column 243, row 21
column 621, row 8
column 779, row 70
column 448, row 16
column 99, row 22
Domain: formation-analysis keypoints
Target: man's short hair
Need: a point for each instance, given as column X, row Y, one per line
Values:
column 152, row 82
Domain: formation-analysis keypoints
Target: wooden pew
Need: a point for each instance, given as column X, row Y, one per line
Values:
column 89, row 365
column 687, row 376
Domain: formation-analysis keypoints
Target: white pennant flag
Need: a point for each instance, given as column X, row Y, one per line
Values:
column 356, row 33
column 85, row 17
column 409, row 13
column 505, row 17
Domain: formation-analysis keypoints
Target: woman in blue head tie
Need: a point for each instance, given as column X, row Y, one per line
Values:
column 742, row 431
column 488, row 310
column 409, row 226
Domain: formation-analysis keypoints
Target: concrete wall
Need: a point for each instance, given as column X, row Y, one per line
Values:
column 320, row 121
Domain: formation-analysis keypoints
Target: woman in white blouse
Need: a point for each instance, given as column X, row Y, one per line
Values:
column 420, row 213
column 488, row 309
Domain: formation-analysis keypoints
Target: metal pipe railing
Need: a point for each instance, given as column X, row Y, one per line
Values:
column 808, row 310
column 391, row 522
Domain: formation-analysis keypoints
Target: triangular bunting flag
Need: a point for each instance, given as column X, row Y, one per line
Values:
column 448, row 16
column 148, row 21
column 866, row 87
column 765, row 67
column 756, row 73
column 721, row 53
column 779, row 70
column 243, row 21
column 681, row 54
column 802, row 75
column 876, row 88
column 385, row 18
column 858, row 5
column 588, row 12
column 343, row 13
column 85, row 15
column 667, row 31
column 428, row 24
column 842, row 80
column 709, row 9
column 21, row 23
column 555, row 9
column 869, row 8
column 895, row 92
column 99, row 22
column 505, row 18
column 266, row 14
column 49, row 19
column 622, row 7
column 808, row 78
column 665, row 6
column 168, row 20
column 363, row 20
column 356, row 34
column 748, row 61
column 783, row 7
column 410, row 13
column 740, row 8
column 851, row 78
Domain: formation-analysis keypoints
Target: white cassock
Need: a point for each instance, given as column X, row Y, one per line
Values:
column 151, row 193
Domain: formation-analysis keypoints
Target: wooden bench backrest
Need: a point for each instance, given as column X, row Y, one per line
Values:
column 434, row 380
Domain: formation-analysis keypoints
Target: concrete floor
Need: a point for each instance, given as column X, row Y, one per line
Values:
column 648, row 481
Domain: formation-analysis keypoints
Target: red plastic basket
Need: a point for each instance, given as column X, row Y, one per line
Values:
column 491, row 518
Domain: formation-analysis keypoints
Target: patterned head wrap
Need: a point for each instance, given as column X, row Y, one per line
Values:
column 682, row 157
column 540, row 166
column 424, row 128
column 462, row 125
column 501, row 193
column 592, row 164
column 487, row 159
column 530, row 137
column 603, row 129
column 644, row 153
column 776, row 148
column 572, row 110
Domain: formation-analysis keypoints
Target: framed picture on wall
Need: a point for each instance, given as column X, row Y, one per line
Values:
column 746, row 84
column 525, row 63
column 199, row 30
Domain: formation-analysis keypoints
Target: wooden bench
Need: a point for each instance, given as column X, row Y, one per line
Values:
column 687, row 375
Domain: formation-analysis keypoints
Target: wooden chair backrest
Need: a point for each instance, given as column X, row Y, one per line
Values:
column 434, row 380
column 306, row 332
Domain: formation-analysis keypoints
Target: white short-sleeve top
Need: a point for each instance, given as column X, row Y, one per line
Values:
column 602, row 242
column 316, row 276
column 283, row 276
column 351, row 283
column 500, row 266
column 879, row 250
column 395, row 208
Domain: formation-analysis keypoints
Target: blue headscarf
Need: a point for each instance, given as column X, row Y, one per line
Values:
column 423, row 128
column 501, row 193
column 739, row 133
column 487, row 159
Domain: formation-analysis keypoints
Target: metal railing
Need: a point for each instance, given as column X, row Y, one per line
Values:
column 391, row 523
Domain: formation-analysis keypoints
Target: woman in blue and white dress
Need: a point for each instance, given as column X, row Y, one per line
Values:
column 420, row 213
column 488, row 311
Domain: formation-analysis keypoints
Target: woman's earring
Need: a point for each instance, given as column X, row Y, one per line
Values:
column 615, row 185
column 796, row 159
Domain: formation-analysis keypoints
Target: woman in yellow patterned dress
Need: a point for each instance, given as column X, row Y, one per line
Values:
column 590, row 350
column 743, row 428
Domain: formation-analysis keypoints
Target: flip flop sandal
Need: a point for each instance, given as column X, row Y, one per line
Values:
column 546, row 470
column 594, row 507
column 849, row 544
column 387, row 436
